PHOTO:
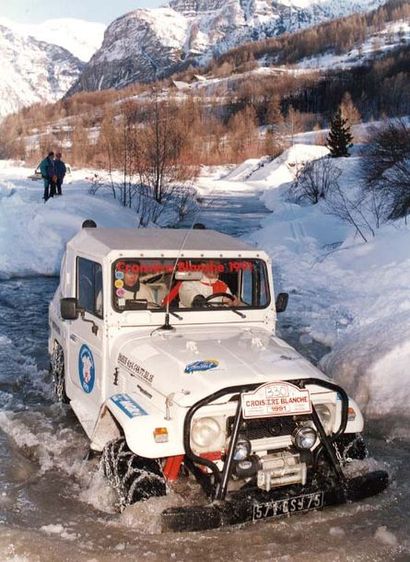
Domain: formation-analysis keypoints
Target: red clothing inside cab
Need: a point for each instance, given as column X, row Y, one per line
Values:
column 218, row 286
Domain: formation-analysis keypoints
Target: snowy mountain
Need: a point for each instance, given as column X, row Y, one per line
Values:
column 33, row 71
column 82, row 38
column 145, row 44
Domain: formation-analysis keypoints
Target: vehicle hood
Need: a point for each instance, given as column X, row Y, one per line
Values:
column 193, row 363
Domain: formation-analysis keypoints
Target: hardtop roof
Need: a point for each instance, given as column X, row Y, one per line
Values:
column 102, row 241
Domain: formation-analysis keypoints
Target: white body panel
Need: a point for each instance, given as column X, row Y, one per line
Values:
column 142, row 375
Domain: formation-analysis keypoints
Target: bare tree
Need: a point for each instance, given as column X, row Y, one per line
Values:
column 314, row 180
column 386, row 167
column 158, row 149
column 349, row 110
column 349, row 210
column 143, row 149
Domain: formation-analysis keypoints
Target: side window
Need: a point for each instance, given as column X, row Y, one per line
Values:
column 254, row 286
column 247, row 284
column 89, row 286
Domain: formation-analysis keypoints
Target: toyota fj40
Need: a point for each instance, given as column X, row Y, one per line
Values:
column 178, row 375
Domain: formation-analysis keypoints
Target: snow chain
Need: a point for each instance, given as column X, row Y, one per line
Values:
column 57, row 371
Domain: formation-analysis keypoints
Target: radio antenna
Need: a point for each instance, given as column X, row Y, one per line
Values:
column 194, row 226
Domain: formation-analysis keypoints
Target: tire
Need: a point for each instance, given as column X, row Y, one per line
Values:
column 351, row 447
column 134, row 478
column 348, row 447
column 58, row 373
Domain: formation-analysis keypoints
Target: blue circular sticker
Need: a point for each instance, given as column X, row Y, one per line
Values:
column 119, row 275
column 86, row 368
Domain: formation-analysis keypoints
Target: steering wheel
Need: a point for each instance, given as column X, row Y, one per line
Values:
column 209, row 299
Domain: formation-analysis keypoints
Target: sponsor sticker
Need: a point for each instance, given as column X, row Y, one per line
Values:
column 119, row 283
column 276, row 399
column 125, row 403
column 86, row 368
column 204, row 365
column 134, row 369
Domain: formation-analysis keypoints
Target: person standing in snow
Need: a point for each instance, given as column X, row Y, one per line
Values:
column 49, row 175
column 60, row 171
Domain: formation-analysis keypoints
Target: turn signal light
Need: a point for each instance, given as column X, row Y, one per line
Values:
column 351, row 414
column 161, row 435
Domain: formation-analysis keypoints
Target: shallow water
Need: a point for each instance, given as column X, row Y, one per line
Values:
column 54, row 505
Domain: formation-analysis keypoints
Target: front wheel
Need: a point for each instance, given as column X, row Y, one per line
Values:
column 351, row 446
column 134, row 478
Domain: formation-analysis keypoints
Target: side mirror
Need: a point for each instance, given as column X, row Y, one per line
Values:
column 69, row 308
column 282, row 302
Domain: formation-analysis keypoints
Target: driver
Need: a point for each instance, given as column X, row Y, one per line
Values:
column 194, row 293
column 132, row 287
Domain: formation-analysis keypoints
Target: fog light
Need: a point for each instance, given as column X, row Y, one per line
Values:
column 242, row 449
column 304, row 437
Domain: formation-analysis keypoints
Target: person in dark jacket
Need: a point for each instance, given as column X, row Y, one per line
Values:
column 60, row 170
column 49, row 176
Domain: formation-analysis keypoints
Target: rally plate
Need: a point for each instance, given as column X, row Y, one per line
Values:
column 277, row 508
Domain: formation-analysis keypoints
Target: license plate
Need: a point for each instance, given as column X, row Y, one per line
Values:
column 287, row 506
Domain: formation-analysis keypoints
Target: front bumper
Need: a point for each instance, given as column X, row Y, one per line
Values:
column 245, row 506
column 250, row 502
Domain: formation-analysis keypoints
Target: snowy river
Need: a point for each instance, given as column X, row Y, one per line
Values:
column 54, row 505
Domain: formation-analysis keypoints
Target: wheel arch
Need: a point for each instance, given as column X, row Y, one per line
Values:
column 106, row 429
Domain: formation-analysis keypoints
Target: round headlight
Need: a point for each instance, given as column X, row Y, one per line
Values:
column 205, row 431
column 325, row 416
column 304, row 437
column 242, row 449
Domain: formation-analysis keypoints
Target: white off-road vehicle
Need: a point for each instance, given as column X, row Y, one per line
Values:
column 163, row 341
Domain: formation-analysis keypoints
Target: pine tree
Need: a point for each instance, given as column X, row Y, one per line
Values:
column 339, row 139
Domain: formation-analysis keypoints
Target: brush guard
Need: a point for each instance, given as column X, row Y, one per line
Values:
column 251, row 503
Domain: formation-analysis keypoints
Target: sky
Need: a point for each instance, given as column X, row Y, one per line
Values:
column 37, row 11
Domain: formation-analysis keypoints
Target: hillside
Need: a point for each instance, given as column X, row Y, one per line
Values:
column 33, row 71
column 239, row 106
column 81, row 38
column 145, row 45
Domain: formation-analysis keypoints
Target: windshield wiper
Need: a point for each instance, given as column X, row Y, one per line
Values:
column 175, row 314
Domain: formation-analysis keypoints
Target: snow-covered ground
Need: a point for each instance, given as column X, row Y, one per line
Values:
column 350, row 295
column 33, row 234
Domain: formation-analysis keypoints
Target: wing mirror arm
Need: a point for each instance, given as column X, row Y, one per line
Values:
column 71, row 310
column 94, row 327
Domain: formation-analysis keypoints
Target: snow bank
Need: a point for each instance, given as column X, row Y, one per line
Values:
column 353, row 297
column 33, row 234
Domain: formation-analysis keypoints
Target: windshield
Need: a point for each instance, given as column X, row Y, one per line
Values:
column 193, row 284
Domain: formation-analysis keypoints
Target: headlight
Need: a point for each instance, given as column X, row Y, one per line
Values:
column 304, row 437
column 242, row 449
column 205, row 431
column 325, row 416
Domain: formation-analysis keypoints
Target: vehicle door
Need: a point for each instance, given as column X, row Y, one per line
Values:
column 87, row 333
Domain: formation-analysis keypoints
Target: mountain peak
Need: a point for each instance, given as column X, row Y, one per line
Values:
column 197, row 6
